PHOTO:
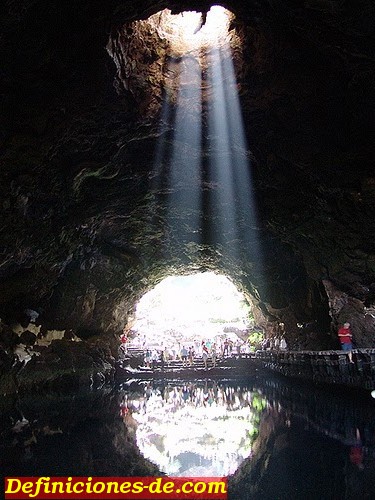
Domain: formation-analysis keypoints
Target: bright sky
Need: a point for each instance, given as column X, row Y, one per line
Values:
column 185, row 31
column 194, row 306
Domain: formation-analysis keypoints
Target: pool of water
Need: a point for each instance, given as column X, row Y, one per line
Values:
column 273, row 439
column 196, row 428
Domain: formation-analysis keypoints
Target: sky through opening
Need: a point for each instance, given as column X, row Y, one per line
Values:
column 191, row 308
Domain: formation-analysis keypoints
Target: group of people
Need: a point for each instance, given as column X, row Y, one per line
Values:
column 186, row 354
column 276, row 343
column 208, row 349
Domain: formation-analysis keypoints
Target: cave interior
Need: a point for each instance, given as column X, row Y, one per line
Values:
column 107, row 170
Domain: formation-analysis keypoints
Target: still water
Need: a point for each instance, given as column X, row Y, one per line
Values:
column 273, row 439
column 195, row 429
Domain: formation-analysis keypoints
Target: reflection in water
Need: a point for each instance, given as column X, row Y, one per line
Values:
column 277, row 440
column 195, row 429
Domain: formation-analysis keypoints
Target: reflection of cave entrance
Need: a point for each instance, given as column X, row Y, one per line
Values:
column 187, row 309
column 188, row 459
column 196, row 429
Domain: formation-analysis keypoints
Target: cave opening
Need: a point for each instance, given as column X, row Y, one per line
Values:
column 151, row 54
column 191, row 30
column 186, row 310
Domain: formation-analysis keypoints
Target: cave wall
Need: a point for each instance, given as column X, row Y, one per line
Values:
column 84, row 230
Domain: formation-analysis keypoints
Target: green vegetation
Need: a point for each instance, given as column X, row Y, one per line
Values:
column 255, row 339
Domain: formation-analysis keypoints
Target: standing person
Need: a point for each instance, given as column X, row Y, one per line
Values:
column 191, row 355
column 148, row 358
column 162, row 358
column 184, row 355
column 123, row 340
column 166, row 355
column 226, row 348
column 238, row 348
column 345, row 338
column 154, row 359
column 205, row 356
column 283, row 344
column 213, row 355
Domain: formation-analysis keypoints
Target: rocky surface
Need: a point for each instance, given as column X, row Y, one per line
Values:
column 85, row 230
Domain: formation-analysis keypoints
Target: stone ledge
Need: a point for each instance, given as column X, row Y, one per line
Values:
column 330, row 367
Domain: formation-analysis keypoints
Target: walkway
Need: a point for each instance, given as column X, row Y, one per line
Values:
column 328, row 367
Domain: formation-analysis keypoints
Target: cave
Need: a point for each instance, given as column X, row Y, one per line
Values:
column 89, row 217
column 129, row 155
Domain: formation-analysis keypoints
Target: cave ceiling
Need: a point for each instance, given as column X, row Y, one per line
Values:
column 84, row 226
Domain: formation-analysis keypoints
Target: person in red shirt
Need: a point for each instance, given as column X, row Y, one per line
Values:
column 345, row 338
column 123, row 345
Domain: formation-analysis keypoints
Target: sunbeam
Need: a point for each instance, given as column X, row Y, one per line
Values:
column 201, row 88
column 221, row 174
column 185, row 163
column 242, row 183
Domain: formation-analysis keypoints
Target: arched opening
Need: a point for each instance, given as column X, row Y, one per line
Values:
column 187, row 310
column 154, row 57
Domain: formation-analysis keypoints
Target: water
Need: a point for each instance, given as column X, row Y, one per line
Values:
column 197, row 428
column 274, row 439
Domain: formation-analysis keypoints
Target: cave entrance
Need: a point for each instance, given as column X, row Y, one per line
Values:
column 190, row 30
column 158, row 57
column 186, row 310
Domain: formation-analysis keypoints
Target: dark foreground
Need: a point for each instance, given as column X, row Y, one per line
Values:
column 275, row 439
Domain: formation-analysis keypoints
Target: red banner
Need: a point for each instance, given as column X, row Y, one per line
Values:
column 143, row 488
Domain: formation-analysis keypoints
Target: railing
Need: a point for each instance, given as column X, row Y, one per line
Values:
column 324, row 366
column 330, row 367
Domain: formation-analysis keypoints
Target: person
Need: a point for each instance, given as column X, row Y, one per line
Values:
column 205, row 356
column 283, row 344
column 213, row 355
column 148, row 357
column 191, row 355
column 266, row 344
column 238, row 348
column 123, row 409
column 345, row 338
column 166, row 355
column 162, row 358
column 124, row 338
column 154, row 359
column 123, row 345
column 226, row 348
column 184, row 355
